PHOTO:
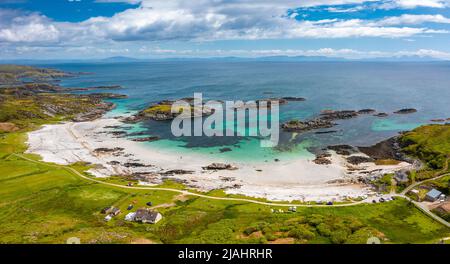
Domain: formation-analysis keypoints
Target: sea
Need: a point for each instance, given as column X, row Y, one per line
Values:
column 383, row 86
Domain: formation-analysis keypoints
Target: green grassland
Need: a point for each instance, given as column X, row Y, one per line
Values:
column 429, row 143
column 41, row 203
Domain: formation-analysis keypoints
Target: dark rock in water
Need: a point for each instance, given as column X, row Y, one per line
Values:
column 335, row 115
column 219, row 166
column 366, row 111
column 114, row 162
column 381, row 115
column 276, row 160
column 344, row 150
column 295, row 99
column 177, row 172
column 406, row 111
column 355, row 160
column 300, row 126
column 222, row 150
column 112, row 127
column 145, row 139
column 326, row 132
column 437, row 120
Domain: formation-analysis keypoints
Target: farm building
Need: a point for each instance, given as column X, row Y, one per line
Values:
column 147, row 216
column 433, row 195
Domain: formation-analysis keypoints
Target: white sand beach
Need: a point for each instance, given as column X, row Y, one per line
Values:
column 298, row 179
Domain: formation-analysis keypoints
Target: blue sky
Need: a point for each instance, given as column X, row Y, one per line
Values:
column 55, row 29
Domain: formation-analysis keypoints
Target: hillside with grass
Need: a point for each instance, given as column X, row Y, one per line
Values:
column 430, row 144
column 13, row 74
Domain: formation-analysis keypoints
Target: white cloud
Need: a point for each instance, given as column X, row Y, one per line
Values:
column 209, row 20
column 421, row 3
column 407, row 19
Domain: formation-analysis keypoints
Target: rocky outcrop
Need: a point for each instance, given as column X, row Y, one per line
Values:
column 107, row 150
column 146, row 139
column 135, row 165
column 294, row 99
column 176, row 172
column 100, row 109
column 335, row 115
column 162, row 111
column 222, row 150
column 325, row 120
column 385, row 150
column 322, row 159
column 366, row 111
column 356, row 160
column 406, row 111
column 219, row 166
column 440, row 120
column 300, row 126
column 381, row 115
column 344, row 150
column 326, row 132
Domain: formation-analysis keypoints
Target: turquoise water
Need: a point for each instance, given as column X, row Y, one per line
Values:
column 383, row 86
column 393, row 125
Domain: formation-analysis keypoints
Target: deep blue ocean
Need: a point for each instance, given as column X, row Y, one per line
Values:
column 384, row 86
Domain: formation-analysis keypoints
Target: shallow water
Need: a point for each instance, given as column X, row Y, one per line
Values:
column 386, row 87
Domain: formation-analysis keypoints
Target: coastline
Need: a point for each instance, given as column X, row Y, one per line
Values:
column 299, row 179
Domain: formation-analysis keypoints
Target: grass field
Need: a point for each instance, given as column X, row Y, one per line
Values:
column 46, row 204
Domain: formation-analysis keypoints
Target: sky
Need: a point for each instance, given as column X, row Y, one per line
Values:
column 353, row 29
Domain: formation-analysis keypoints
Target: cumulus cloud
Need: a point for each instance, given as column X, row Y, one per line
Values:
column 210, row 20
column 16, row 27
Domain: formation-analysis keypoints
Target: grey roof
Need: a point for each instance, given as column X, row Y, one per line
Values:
column 146, row 215
column 434, row 193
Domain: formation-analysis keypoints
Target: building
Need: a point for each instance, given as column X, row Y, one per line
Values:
column 130, row 217
column 106, row 210
column 433, row 195
column 108, row 218
column 147, row 216
column 115, row 211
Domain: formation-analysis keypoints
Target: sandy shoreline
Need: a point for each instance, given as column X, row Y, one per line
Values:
column 298, row 179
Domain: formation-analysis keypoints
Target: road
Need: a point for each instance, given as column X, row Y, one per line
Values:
column 420, row 206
